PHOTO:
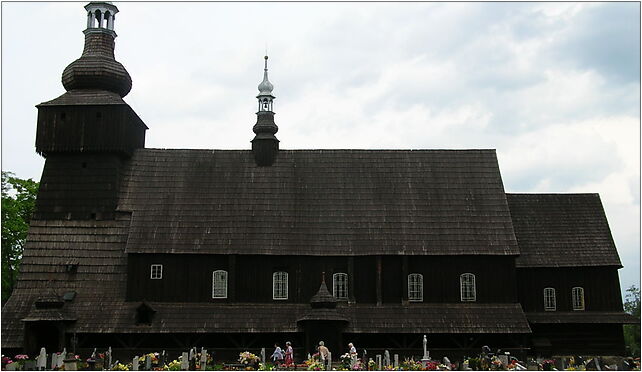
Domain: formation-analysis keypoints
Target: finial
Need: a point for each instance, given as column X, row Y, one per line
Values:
column 266, row 58
column 265, row 88
column 323, row 277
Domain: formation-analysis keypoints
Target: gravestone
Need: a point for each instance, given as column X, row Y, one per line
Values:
column 386, row 358
column 148, row 363
column 11, row 367
column 365, row 357
column 396, row 359
column 70, row 362
column 329, row 360
column 504, row 359
column 203, row 359
column 109, row 365
column 185, row 361
column 263, row 355
column 447, row 362
column 309, row 356
column 378, row 358
column 61, row 358
column 162, row 359
column 135, row 363
column 41, row 361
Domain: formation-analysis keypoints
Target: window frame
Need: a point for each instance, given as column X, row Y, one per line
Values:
column 550, row 299
column 159, row 273
column 467, row 281
column 223, row 286
column 284, row 287
column 335, row 285
column 419, row 283
column 577, row 293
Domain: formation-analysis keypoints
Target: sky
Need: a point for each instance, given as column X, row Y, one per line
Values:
column 553, row 87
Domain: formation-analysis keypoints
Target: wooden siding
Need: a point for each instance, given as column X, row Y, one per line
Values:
column 188, row 278
column 89, row 128
column 79, row 186
column 601, row 287
column 582, row 339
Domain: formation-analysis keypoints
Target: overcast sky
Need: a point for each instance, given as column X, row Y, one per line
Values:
column 554, row 87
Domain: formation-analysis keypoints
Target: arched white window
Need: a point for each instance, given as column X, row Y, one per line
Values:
column 219, row 284
column 415, row 287
column 550, row 303
column 340, row 286
column 467, row 287
column 280, row 285
column 578, row 298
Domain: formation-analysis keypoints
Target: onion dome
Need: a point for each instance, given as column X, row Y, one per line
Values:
column 97, row 68
column 265, row 88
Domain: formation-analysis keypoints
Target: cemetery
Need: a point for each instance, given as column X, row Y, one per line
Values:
column 200, row 359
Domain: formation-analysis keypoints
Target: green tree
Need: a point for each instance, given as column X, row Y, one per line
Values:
column 18, row 202
column 632, row 331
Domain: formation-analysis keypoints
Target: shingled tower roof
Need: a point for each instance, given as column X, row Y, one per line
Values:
column 97, row 68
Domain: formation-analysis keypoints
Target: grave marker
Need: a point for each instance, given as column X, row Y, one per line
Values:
column 185, row 361
column 135, row 363
column 41, row 361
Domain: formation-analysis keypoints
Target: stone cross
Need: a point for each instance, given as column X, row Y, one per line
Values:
column 386, row 358
column 135, row 363
column 378, row 358
column 426, row 354
column 185, row 361
column 203, row 359
column 41, row 362
column 396, row 357
column 263, row 355
column 148, row 363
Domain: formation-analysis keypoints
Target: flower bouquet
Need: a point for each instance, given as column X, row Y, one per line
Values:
column 248, row 359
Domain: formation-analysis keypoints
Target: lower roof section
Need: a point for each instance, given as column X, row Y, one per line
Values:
column 120, row 317
column 582, row 317
column 275, row 318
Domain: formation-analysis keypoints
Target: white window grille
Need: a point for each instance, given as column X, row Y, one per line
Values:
column 280, row 285
column 340, row 286
column 578, row 298
column 156, row 271
column 550, row 303
column 219, row 284
column 415, row 287
column 467, row 287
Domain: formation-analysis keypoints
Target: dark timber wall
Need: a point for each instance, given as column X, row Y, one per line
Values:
column 188, row 278
column 601, row 287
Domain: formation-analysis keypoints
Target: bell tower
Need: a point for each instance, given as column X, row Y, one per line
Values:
column 265, row 145
column 88, row 133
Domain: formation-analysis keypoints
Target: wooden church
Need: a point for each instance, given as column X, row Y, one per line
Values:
column 148, row 249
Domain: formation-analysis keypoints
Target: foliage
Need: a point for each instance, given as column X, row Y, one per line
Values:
column 266, row 367
column 18, row 202
column 632, row 331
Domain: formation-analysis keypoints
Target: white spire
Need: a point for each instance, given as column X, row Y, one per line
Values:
column 265, row 88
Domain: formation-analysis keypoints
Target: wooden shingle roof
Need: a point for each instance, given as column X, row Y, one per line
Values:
column 317, row 202
column 562, row 230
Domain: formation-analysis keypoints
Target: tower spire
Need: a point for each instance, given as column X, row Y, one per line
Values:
column 265, row 145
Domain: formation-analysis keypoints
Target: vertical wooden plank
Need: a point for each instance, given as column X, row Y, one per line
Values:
column 404, row 279
column 379, row 295
column 351, row 288
column 231, row 278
